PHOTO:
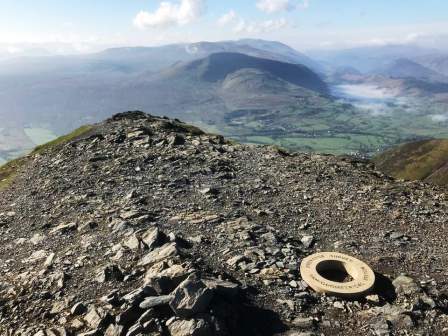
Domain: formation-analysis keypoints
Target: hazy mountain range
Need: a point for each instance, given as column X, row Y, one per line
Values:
column 258, row 91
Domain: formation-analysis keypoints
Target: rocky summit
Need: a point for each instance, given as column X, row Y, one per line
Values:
column 147, row 226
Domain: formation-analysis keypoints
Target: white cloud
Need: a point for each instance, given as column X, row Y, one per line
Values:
column 171, row 14
column 14, row 50
column 227, row 18
column 253, row 27
column 241, row 25
column 274, row 6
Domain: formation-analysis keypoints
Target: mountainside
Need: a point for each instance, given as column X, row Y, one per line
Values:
column 217, row 67
column 42, row 97
column 405, row 68
column 425, row 160
column 128, row 60
column 142, row 225
column 164, row 56
column 253, row 81
column 436, row 62
column 61, row 101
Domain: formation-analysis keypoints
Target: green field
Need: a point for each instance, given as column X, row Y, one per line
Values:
column 327, row 126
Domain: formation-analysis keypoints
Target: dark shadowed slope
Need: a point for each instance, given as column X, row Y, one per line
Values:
column 425, row 160
column 218, row 66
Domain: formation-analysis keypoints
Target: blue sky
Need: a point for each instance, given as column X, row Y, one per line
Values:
column 304, row 24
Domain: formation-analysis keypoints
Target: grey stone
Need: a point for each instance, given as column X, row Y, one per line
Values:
column 114, row 330
column 96, row 319
column 303, row 322
column 135, row 297
column 396, row 235
column 191, row 297
column 235, row 260
column 159, row 254
column 194, row 327
column 380, row 327
column 154, row 301
column 221, row 287
column 167, row 280
column 64, row 228
column 405, row 285
column 307, row 241
column 131, row 214
column 132, row 242
column 152, row 238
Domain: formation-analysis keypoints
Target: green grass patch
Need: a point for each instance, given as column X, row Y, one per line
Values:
column 63, row 139
column 414, row 161
column 263, row 140
column 9, row 170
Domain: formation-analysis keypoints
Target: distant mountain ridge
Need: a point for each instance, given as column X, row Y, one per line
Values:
column 367, row 59
column 217, row 67
column 63, row 95
column 126, row 60
column 406, row 68
column 436, row 62
column 171, row 54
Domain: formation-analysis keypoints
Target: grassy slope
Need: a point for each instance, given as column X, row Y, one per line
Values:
column 9, row 170
column 423, row 160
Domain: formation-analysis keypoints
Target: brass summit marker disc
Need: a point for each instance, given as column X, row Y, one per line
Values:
column 325, row 272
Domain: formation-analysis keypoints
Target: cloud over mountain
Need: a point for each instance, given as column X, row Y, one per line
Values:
column 227, row 18
column 241, row 25
column 256, row 27
column 171, row 14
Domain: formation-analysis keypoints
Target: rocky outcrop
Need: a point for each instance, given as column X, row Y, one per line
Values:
column 148, row 226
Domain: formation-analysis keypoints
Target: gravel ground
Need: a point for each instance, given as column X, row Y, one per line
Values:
column 77, row 229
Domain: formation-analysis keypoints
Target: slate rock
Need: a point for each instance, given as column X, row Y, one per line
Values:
column 110, row 273
column 159, row 254
column 154, row 301
column 405, row 285
column 193, row 327
column 191, row 297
